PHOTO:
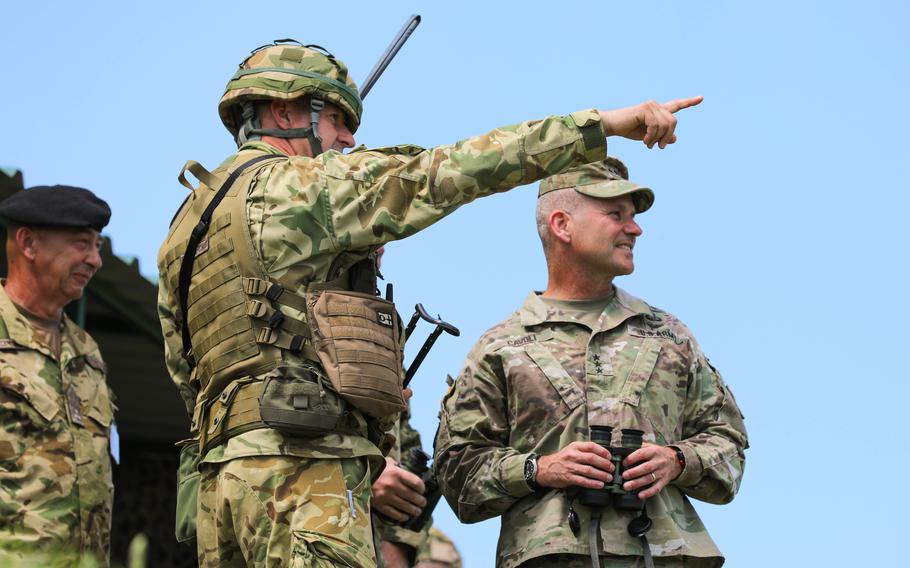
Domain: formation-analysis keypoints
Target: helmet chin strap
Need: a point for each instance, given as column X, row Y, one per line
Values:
column 251, row 128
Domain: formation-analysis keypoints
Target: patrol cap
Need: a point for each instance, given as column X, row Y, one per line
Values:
column 56, row 206
column 604, row 180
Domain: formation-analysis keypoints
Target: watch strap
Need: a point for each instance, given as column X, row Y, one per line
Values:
column 680, row 458
column 530, row 472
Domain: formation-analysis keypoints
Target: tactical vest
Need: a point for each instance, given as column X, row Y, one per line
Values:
column 244, row 325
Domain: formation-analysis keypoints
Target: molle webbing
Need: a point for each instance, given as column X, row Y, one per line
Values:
column 342, row 331
column 236, row 410
column 189, row 256
column 213, row 282
column 238, row 321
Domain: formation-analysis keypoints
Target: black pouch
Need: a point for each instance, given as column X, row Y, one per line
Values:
column 298, row 402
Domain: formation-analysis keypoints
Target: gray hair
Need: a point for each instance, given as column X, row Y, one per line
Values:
column 566, row 199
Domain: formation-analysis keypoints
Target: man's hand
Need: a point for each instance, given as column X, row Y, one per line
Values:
column 395, row 555
column 581, row 464
column 398, row 493
column 650, row 459
column 650, row 122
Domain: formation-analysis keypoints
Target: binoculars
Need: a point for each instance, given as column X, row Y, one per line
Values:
column 415, row 461
column 613, row 492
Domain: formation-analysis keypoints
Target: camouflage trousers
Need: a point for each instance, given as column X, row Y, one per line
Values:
column 283, row 512
column 578, row 561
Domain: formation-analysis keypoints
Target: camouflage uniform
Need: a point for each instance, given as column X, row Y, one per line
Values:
column 304, row 214
column 536, row 381
column 56, row 491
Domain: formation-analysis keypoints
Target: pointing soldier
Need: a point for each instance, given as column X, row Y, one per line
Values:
column 55, row 406
column 582, row 356
column 289, row 364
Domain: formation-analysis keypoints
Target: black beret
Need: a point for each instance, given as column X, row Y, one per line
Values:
column 56, row 206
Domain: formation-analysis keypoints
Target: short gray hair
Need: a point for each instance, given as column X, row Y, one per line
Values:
column 566, row 199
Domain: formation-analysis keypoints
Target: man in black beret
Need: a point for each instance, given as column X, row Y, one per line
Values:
column 56, row 414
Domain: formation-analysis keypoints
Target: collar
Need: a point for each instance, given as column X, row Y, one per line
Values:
column 74, row 341
column 260, row 146
column 622, row 307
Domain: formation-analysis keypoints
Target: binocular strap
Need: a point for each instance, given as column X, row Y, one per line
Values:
column 646, row 551
column 593, row 530
column 639, row 527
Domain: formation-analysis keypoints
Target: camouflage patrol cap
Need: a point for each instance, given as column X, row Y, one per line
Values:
column 606, row 179
column 56, row 206
column 288, row 70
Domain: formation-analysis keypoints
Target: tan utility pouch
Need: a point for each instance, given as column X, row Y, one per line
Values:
column 357, row 337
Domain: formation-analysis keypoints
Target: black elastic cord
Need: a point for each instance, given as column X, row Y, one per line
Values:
column 189, row 256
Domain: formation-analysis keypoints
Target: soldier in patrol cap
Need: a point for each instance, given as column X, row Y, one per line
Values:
column 55, row 405
column 288, row 362
column 514, row 433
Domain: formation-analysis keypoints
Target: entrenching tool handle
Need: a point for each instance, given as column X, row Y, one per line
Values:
column 389, row 55
column 421, row 355
column 441, row 325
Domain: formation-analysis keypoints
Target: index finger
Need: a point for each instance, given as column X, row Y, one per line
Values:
column 642, row 454
column 678, row 104
column 412, row 481
column 593, row 448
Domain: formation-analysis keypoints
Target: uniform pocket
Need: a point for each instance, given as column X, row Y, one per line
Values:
column 101, row 410
column 187, row 491
column 37, row 396
column 640, row 373
column 336, row 529
column 656, row 390
column 541, row 392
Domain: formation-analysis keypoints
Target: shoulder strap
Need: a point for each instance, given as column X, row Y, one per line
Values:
column 199, row 231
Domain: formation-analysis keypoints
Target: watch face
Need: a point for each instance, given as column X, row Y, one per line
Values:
column 529, row 468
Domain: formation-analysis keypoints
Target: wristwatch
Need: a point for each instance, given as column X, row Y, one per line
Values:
column 531, row 472
column 680, row 459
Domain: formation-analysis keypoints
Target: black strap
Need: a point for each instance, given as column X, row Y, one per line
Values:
column 638, row 527
column 646, row 551
column 189, row 256
column 593, row 531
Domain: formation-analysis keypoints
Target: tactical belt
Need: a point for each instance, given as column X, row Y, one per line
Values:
column 236, row 410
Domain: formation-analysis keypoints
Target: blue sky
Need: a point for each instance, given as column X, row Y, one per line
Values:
column 779, row 233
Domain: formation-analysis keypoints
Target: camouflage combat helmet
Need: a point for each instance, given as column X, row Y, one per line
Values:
column 604, row 180
column 288, row 70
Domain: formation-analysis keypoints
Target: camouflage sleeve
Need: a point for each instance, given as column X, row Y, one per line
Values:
column 714, row 437
column 173, row 348
column 402, row 190
column 479, row 474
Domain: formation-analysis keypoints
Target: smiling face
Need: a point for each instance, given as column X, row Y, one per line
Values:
column 64, row 260
column 603, row 234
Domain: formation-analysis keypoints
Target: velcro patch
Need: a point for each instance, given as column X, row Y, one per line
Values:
column 203, row 246
column 523, row 340
column 384, row 318
column 663, row 333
